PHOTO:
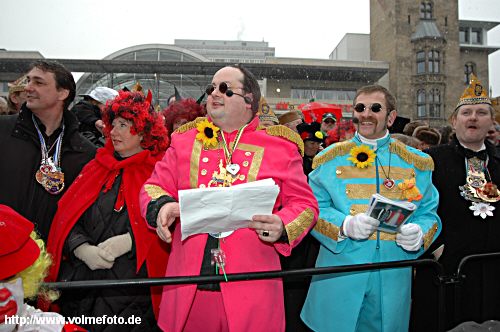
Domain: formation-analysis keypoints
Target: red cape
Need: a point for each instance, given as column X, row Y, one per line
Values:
column 83, row 193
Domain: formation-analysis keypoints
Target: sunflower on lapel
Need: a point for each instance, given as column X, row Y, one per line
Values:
column 362, row 156
column 207, row 133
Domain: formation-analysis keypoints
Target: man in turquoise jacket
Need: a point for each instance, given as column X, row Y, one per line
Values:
column 345, row 177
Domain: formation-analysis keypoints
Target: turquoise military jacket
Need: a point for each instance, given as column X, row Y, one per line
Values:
column 342, row 189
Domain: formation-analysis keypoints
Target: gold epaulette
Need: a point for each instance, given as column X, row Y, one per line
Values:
column 339, row 149
column 429, row 236
column 154, row 192
column 287, row 133
column 188, row 126
column 420, row 162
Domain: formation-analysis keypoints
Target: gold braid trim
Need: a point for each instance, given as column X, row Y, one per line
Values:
column 154, row 191
column 327, row 229
column 339, row 149
column 384, row 236
column 358, row 208
column 420, row 162
column 287, row 133
column 430, row 235
column 190, row 125
column 298, row 226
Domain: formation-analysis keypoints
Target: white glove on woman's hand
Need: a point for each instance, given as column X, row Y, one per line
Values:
column 117, row 245
column 410, row 237
column 95, row 258
column 360, row 226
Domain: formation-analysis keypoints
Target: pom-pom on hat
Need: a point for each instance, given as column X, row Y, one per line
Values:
column 475, row 93
column 311, row 132
column 17, row 249
column 265, row 113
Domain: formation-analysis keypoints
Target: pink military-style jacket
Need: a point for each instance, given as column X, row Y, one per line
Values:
column 261, row 153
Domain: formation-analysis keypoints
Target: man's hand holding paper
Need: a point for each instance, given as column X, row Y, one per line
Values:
column 222, row 209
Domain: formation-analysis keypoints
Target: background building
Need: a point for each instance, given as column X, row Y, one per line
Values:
column 232, row 51
column 419, row 49
column 430, row 52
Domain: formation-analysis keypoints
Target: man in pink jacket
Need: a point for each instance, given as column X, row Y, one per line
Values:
column 228, row 148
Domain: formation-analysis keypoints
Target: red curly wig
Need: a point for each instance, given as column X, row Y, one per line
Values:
column 134, row 106
column 187, row 109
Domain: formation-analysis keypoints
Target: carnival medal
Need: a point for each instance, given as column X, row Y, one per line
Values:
column 478, row 190
column 50, row 175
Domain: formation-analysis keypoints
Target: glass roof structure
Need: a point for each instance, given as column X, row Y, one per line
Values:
column 160, row 84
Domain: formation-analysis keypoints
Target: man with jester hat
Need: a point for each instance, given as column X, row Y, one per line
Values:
column 344, row 178
column 467, row 175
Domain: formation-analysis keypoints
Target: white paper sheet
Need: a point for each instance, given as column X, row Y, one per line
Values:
column 222, row 209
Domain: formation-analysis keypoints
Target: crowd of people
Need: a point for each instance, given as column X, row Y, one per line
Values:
column 100, row 186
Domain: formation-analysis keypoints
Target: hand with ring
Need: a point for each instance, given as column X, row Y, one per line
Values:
column 268, row 227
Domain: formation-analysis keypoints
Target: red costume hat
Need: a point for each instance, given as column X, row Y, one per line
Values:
column 135, row 107
column 187, row 109
column 17, row 249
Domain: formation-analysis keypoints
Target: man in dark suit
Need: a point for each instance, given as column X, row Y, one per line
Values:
column 467, row 171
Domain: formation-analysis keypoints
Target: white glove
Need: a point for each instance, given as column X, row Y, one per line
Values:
column 360, row 226
column 117, row 245
column 410, row 237
column 95, row 258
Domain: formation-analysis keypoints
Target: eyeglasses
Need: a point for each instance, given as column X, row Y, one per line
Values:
column 223, row 88
column 375, row 107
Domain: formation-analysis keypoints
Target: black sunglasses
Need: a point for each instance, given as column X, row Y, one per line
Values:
column 222, row 88
column 375, row 107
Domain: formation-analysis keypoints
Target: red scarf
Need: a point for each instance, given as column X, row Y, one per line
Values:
column 99, row 174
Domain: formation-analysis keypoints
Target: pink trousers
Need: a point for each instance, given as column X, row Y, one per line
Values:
column 207, row 313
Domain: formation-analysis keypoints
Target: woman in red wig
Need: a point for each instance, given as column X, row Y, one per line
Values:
column 181, row 112
column 98, row 232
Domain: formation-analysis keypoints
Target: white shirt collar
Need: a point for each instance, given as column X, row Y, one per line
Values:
column 372, row 142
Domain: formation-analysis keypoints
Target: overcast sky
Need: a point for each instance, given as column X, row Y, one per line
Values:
column 93, row 29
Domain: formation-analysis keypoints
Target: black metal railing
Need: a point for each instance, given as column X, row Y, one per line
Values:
column 456, row 279
column 438, row 268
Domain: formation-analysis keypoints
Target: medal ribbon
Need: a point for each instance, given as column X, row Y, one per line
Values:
column 43, row 146
column 229, row 154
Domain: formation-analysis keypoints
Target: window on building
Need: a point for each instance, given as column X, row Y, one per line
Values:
column 464, row 35
column 469, row 68
column 435, row 103
column 421, row 109
column 426, row 10
column 420, row 62
column 476, row 36
column 433, row 62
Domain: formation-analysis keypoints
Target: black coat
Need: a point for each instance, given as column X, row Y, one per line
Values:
column 99, row 223
column 462, row 234
column 87, row 115
column 20, row 159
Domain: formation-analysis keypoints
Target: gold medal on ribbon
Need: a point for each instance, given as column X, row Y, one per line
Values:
column 53, row 182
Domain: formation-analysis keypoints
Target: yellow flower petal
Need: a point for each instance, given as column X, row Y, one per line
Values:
column 202, row 135
column 365, row 152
